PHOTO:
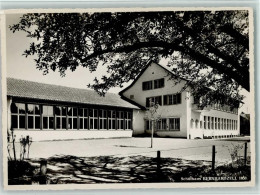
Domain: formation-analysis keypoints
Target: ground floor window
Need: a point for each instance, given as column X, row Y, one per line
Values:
column 18, row 116
column 128, row 120
column 161, row 124
column 168, row 124
column 48, row 117
column 174, row 124
column 219, row 123
column 39, row 116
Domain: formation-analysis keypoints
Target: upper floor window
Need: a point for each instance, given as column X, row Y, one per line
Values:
column 156, row 100
column 148, row 85
column 172, row 99
column 159, row 83
column 154, row 84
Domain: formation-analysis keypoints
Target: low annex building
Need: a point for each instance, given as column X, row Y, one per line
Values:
column 52, row 112
column 180, row 114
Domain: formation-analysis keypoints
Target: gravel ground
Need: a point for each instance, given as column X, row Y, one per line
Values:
column 122, row 147
column 129, row 159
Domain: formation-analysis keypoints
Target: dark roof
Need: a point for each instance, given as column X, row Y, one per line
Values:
column 40, row 91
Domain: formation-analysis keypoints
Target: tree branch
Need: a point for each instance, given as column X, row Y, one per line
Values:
column 243, row 40
column 175, row 45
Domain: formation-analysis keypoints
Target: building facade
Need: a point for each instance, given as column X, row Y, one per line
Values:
column 50, row 112
column 180, row 115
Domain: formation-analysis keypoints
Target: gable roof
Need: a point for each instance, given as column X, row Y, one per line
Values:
column 167, row 69
column 41, row 91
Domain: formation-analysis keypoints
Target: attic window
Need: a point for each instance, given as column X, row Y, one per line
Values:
column 148, row 85
column 132, row 97
column 159, row 83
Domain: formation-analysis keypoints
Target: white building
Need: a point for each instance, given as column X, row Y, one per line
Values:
column 180, row 115
column 51, row 112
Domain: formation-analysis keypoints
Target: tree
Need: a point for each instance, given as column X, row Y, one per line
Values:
column 210, row 49
column 153, row 116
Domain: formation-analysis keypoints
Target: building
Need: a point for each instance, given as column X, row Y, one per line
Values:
column 51, row 112
column 180, row 115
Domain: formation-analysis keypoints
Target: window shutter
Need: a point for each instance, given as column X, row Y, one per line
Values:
column 165, row 100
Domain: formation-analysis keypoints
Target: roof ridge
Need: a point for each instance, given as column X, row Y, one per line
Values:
column 8, row 78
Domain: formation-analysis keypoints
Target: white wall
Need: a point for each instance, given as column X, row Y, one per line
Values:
column 9, row 101
column 199, row 132
column 45, row 135
column 138, row 122
column 154, row 72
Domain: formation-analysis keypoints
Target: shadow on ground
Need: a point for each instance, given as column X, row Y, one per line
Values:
column 68, row 169
column 110, row 169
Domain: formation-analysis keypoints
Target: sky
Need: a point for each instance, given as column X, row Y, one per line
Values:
column 20, row 67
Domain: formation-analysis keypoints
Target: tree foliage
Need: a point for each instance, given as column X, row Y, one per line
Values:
column 209, row 49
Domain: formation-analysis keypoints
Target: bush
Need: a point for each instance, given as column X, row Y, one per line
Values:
column 20, row 172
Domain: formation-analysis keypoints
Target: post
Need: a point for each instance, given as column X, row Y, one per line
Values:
column 158, row 162
column 245, row 154
column 13, row 144
column 43, row 170
column 213, row 157
column 152, row 134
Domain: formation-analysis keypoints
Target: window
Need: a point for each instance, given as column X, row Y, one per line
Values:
column 155, row 84
column 148, row 125
column 112, row 119
column 61, row 117
column 128, row 120
column 120, row 120
column 156, row 100
column 83, row 118
column 17, row 116
column 47, row 117
column 174, row 124
column 196, row 123
column 93, row 118
column 148, row 85
column 212, row 122
column 218, row 123
column 224, row 123
column 72, row 118
column 162, row 124
column 158, row 125
column 172, row 99
column 208, row 122
column 159, row 83
column 102, row 119
column 33, row 117
column 191, row 123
